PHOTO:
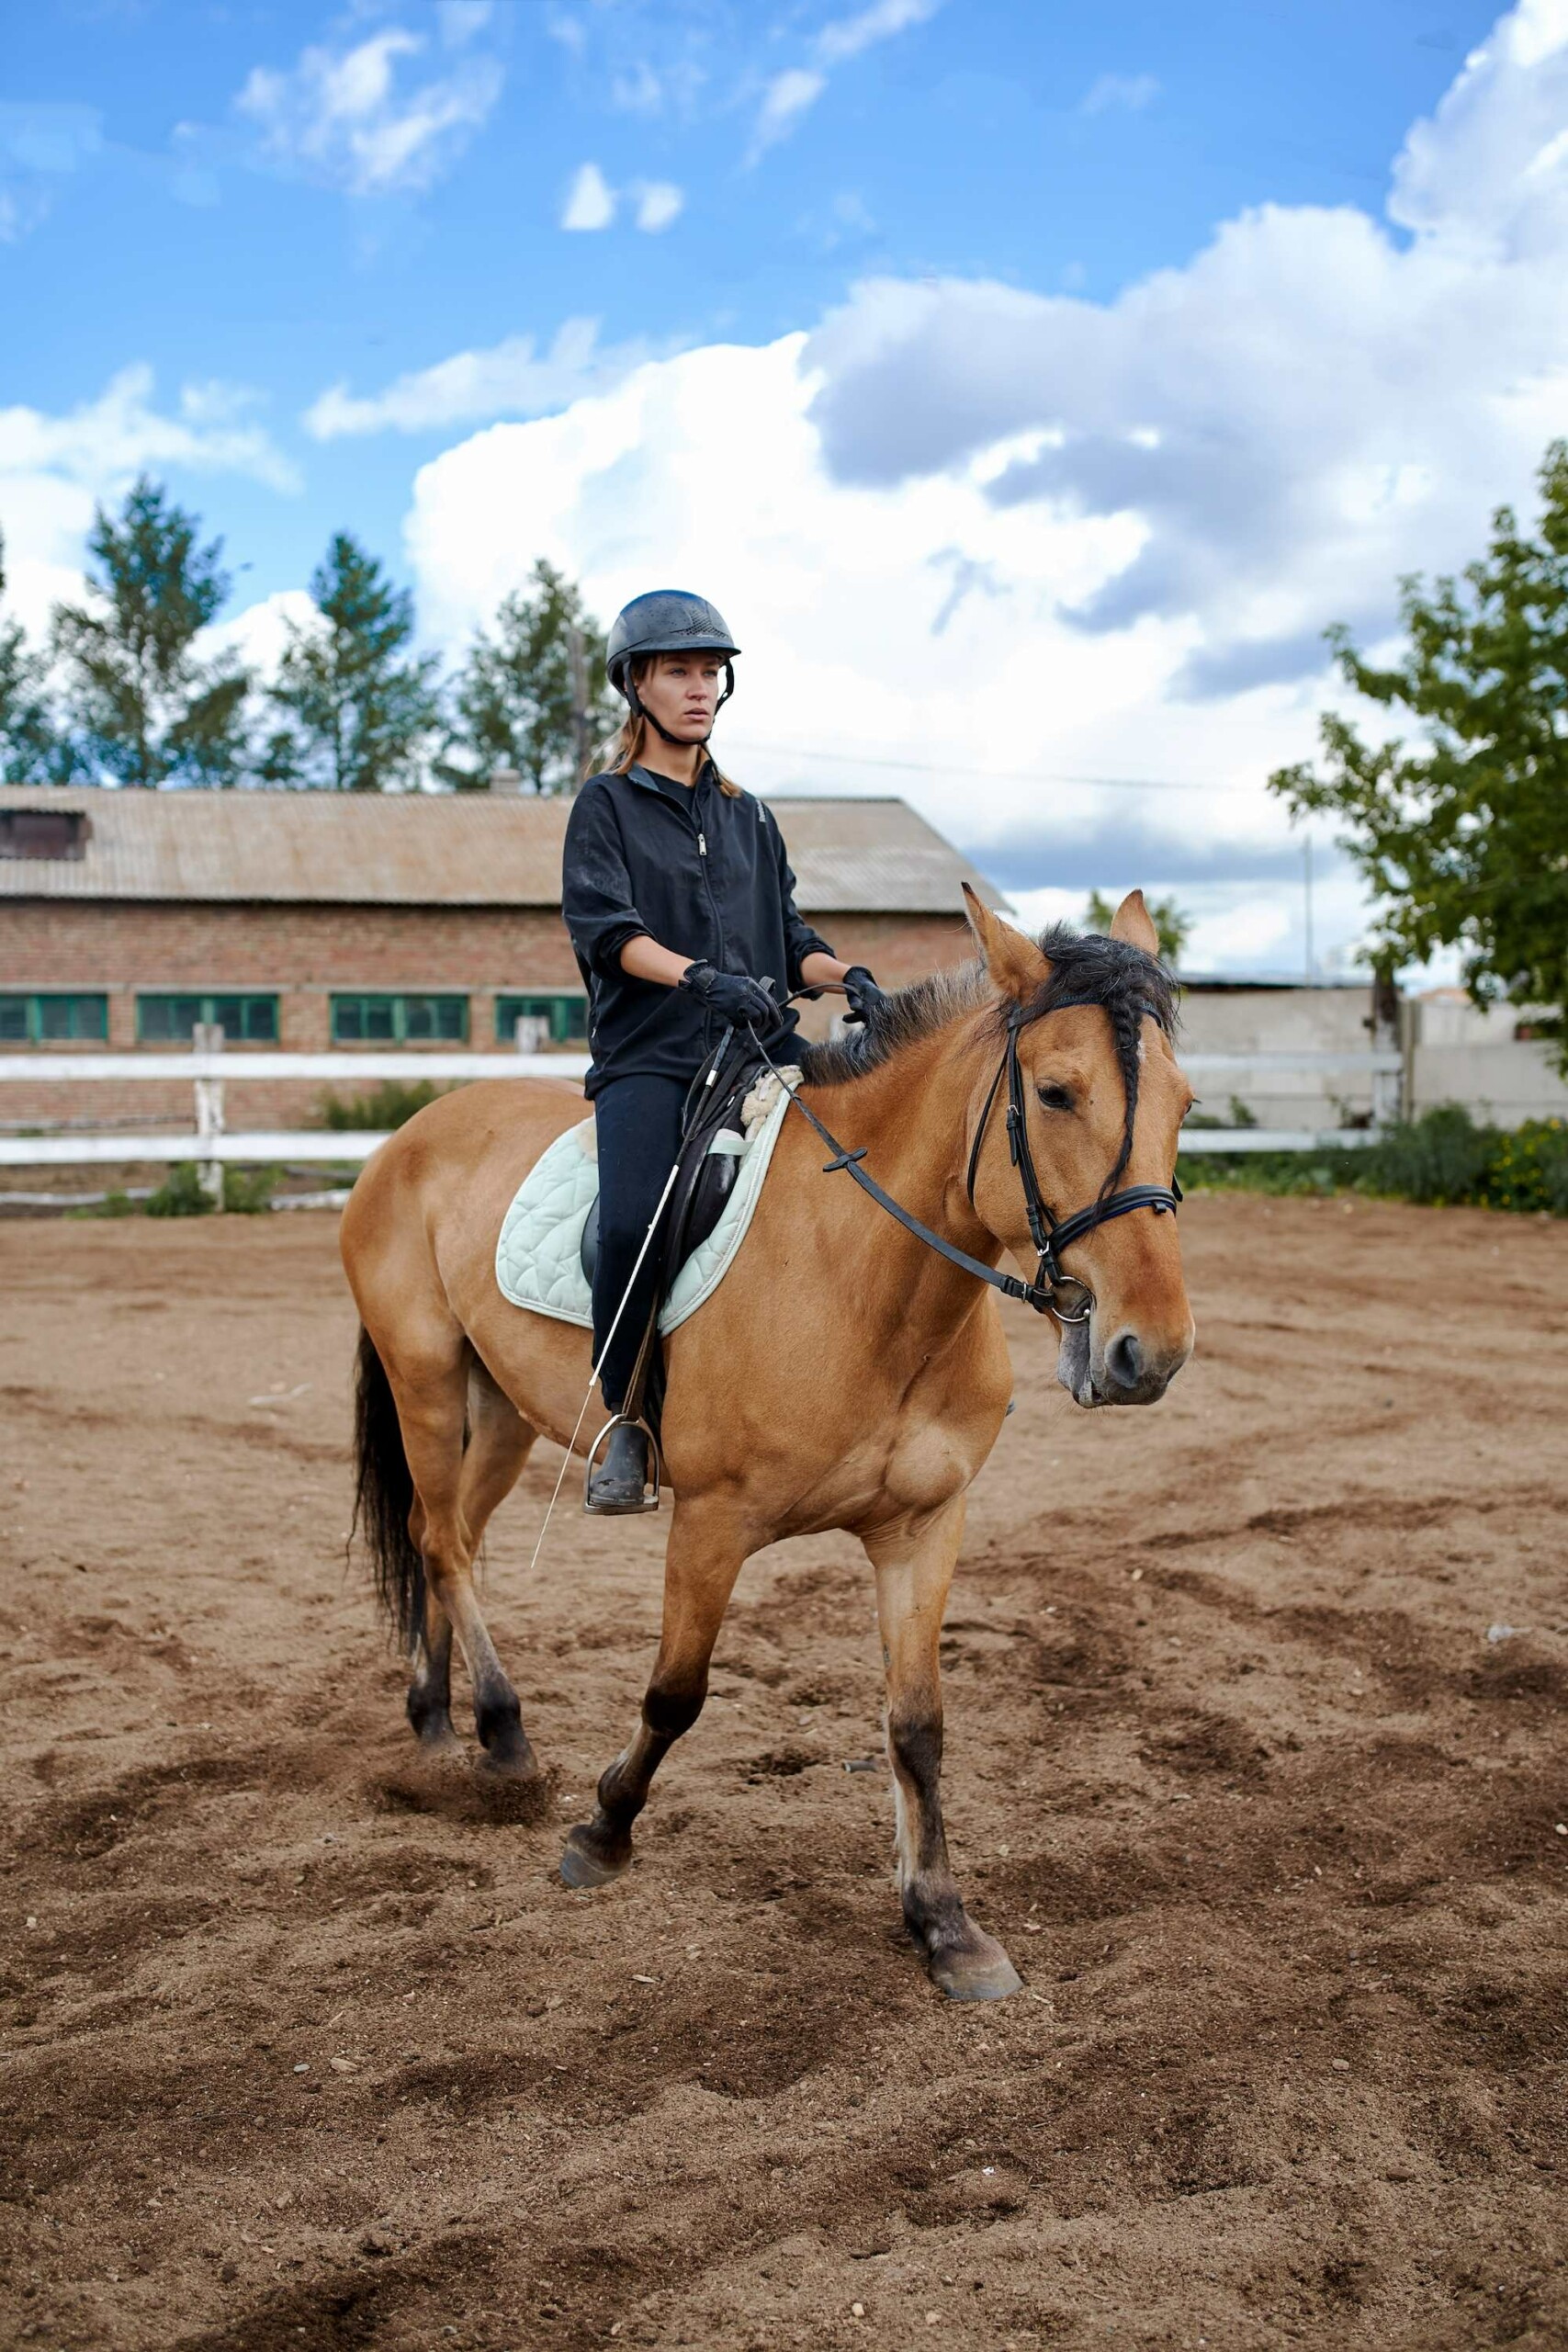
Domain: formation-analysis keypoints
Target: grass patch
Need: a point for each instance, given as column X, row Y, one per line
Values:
column 1443, row 1158
column 386, row 1106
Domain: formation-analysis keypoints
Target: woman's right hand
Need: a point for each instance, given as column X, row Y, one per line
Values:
column 743, row 1003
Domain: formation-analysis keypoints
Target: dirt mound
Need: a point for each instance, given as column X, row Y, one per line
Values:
column 1255, row 1709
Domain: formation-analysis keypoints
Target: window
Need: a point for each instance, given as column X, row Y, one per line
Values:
column 399, row 1020
column 567, row 1014
column 43, row 1020
column 42, row 832
column 247, row 1020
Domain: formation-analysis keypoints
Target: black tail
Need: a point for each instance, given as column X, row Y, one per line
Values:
column 383, row 1497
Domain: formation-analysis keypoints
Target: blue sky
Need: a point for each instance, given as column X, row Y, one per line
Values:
column 1091, row 317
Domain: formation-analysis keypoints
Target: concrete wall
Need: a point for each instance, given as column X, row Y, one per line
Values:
column 1456, row 1053
column 1277, row 1021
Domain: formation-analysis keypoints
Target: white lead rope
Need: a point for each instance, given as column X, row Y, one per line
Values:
column 594, row 1375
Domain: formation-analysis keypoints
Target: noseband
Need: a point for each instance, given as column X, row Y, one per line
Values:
column 1049, row 1233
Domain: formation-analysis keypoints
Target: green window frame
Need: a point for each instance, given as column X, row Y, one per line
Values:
column 564, row 1009
column 169, row 1016
column 379, row 1019
column 48, row 1016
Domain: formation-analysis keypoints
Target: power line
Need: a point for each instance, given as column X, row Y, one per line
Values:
column 993, row 775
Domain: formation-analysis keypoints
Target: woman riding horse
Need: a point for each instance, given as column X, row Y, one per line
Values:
column 679, row 903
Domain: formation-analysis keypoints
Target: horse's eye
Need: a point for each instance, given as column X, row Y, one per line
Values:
column 1055, row 1098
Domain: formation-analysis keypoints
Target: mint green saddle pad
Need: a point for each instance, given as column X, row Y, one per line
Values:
column 539, row 1257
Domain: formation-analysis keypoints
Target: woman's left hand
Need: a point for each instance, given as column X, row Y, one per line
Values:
column 865, row 998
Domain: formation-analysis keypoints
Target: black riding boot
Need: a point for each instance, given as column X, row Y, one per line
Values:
column 620, row 1483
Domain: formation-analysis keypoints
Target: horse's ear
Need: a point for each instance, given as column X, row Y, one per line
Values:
column 1012, row 959
column 1134, row 925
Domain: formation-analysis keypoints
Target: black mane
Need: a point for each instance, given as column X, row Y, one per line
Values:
column 1086, row 968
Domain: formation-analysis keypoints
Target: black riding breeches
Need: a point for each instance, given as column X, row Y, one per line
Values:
column 638, row 1120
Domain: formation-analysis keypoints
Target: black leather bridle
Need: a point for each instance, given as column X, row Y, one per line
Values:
column 1049, row 1233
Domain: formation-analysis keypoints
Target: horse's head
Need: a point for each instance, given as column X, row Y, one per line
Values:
column 1103, row 1100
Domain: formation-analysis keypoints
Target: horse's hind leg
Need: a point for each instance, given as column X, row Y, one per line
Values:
column 701, row 1563
column 499, row 1443
column 914, row 1560
column 457, row 1491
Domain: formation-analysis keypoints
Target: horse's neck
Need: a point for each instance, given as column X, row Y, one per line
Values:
column 910, row 1116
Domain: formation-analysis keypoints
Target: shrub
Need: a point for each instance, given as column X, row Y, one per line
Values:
column 1529, row 1169
column 1442, row 1159
column 248, row 1191
column 180, row 1194
column 387, row 1105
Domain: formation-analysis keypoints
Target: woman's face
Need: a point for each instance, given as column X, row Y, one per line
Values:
column 682, row 690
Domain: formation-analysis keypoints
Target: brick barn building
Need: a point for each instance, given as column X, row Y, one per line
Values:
column 315, row 921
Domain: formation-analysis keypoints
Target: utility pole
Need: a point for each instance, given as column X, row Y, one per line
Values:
column 1306, row 887
column 575, row 655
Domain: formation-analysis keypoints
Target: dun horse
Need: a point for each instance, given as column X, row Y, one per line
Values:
column 843, row 1375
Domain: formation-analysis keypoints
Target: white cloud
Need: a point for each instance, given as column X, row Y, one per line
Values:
column 53, row 469
column 785, row 101
column 354, row 118
column 788, row 96
column 102, row 442
column 1015, row 540
column 510, row 378
column 1132, row 90
column 1308, row 408
column 849, row 36
column 659, row 202
column 591, row 201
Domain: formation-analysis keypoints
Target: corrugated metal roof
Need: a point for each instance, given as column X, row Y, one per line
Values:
column 426, row 849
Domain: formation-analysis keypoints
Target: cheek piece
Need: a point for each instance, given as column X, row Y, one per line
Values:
column 640, row 710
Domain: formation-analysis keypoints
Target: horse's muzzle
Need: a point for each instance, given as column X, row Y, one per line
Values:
column 1132, row 1368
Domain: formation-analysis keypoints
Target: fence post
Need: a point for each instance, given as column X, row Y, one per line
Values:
column 207, row 1037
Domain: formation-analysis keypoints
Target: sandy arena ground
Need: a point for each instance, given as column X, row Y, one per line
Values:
column 305, row 2045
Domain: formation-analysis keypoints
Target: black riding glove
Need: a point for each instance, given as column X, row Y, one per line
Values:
column 743, row 1003
column 866, row 1000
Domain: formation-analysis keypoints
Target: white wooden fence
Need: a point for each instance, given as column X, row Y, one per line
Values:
column 211, row 1145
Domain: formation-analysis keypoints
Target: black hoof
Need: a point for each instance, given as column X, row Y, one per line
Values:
column 499, row 1724
column 585, row 1863
column 431, row 1721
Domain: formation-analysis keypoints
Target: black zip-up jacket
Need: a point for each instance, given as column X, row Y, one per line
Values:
column 703, row 874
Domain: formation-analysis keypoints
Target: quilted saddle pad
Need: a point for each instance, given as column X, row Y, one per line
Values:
column 539, row 1257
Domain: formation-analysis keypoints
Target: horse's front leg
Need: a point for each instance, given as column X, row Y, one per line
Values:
column 702, row 1561
column 914, row 1560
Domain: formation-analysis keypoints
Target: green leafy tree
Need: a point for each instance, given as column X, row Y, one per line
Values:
column 142, row 707
column 31, row 749
column 356, row 709
column 1174, row 926
column 1462, row 837
column 527, row 696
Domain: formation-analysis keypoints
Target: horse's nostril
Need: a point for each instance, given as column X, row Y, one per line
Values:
column 1125, row 1359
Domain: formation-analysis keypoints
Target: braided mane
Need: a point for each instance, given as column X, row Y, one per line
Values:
column 1086, row 968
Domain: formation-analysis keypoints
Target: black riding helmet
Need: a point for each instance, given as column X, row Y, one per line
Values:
column 666, row 620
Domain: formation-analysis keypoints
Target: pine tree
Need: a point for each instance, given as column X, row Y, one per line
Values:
column 528, row 697
column 141, row 707
column 31, row 749
column 355, row 708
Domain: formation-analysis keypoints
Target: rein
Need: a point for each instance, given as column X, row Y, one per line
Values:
column 1049, row 1234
